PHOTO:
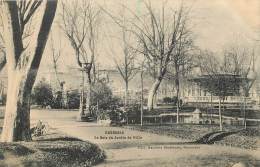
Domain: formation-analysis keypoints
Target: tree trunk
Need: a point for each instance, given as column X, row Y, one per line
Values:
column 142, row 97
column 177, row 84
column 211, row 109
column 82, row 114
column 22, row 68
column 17, row 113
column 244, row 114
column 88, row 95
column 126, row 95
column 152, row 93
column 178, row 98
column 81, row 101
column 220, row 115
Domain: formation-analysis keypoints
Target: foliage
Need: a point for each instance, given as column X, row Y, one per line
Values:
column 40, row 129
column 73, row 100
column 167, row 100
column 103, row 115
column 4, row 96
column 52, row 149
column 57, row 101
column 102, row 95
column 172, row 100
column 42, row 94
column 117, row 117
column 133, row 113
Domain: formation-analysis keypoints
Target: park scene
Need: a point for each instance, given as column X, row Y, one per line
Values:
column 129, row 83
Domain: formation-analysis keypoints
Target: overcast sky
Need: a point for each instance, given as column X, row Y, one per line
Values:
column 217, row 23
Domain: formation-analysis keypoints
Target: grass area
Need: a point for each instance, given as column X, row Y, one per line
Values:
column 51, row 150
column 248, row 138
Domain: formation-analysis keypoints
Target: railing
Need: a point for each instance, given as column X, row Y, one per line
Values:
column 215, row 99
column 188, row 118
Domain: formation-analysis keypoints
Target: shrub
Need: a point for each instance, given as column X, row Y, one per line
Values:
column 133, row 113
column 57, row 100
column 42, row 94
column 172, row 100
column 167, row 100
column 40, row 129
column 4, row 99
column 73, row 100
column 102, row 95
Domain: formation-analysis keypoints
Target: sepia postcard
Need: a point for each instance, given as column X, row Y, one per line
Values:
column 129, row 83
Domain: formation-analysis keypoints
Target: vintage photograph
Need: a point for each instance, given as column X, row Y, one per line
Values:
column 129, row 83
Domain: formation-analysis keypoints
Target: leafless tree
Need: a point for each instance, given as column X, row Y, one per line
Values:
column 24, row 49
column 158, row 36
column 243, row 64
column 181, row 63
column 213, row 83
column 142, row 90
column 125, row 64
column 80, row 24
column 56, row 53
column 224, row 77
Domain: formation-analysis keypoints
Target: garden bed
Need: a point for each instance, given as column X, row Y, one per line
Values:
column 51, row 150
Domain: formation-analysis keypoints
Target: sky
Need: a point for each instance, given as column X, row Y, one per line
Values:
column 215, row 25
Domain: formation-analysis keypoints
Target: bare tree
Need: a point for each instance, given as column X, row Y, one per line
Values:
column 158, row 35
column 23, row 60
column 142, row 91
column 224, row 77
column 80, row 24
column 126, row 68
column 244, row 65
column 126, row 64
column 215, row 81
column 181, row 63
column 56, row 53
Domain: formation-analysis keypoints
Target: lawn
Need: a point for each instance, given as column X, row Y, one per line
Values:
column 51, row 150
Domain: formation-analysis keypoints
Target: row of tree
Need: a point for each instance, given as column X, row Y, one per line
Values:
column 161, row 39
